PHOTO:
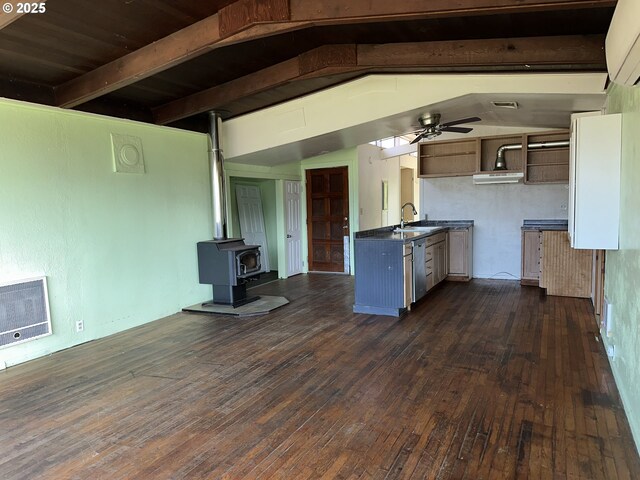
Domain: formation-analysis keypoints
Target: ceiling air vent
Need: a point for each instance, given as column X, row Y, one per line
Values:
column 24, row 311
column 512, row 105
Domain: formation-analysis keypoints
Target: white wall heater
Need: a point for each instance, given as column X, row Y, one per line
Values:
column 24, row 311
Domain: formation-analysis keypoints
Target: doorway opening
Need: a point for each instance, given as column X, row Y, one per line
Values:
column 253, row 217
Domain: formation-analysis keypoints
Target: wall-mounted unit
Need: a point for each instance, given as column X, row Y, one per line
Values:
column 489, row 178
column 24, row 311
column 622, row 45
column 594, row 181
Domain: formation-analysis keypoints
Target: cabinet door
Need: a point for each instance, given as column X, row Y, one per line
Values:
column 594, row 181
column 408, row 279
column 530, row 256
column 442, row 262
column 458, row 252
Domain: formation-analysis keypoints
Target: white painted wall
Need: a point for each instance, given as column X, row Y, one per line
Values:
column 498, row 211
column 372, row 170
column 364, row 109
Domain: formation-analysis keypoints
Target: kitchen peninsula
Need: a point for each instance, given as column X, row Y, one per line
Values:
column 395, row 267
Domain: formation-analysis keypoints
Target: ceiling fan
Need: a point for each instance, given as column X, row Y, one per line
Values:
column 431, row 126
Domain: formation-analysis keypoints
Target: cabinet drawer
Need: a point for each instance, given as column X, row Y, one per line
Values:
column 428, row 266
column 430, row 283
column 438, row 237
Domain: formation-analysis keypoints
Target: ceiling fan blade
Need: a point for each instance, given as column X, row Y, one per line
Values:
column 462, row 120
column 457, row 129
column 418, row 138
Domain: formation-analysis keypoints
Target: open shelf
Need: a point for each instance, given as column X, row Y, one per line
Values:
column 447, row 159
column 489, row 149
column 453, row 158
column 547, row 165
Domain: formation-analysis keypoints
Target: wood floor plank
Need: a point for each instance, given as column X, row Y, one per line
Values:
column 479, row 381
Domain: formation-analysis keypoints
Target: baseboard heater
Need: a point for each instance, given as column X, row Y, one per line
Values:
column 24, row 311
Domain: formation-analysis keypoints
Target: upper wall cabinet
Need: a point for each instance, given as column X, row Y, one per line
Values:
column 449, row 158
column 594, row 181
column 540, row 163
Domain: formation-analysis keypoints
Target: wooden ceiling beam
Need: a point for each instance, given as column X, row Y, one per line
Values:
column 519, row 54
column 578, row 50
column 377, row 10
column 246, row 20
column 9, row 18
column 307, row 65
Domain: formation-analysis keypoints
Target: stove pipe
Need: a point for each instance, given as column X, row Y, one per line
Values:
column 216, row 161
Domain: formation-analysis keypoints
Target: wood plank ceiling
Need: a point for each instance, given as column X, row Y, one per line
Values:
column 167, row 61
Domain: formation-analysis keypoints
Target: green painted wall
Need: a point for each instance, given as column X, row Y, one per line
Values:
column 119, row 250
column 622, row 282
column 349, row 158
column 269, row 207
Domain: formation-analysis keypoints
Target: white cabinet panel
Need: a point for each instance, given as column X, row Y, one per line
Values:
column 594, row 181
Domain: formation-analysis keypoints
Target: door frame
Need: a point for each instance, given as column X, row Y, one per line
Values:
column 351, row 162
column 257, row 173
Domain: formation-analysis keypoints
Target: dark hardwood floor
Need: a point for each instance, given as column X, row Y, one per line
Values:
column 481, row 380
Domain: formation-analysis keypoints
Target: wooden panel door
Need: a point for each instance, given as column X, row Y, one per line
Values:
column 458, row 252
column 328, row 219
column 530, row 257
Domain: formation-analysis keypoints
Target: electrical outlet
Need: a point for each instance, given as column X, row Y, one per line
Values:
column 79, row 325
column 563, row 206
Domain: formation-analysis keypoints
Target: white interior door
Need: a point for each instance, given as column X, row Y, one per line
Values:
column 293, row 227
column 252, row 220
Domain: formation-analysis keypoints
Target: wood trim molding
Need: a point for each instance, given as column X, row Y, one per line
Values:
column 246, row 20
column 537, row 53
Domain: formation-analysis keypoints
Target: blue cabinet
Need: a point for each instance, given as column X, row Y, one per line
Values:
column 381, row 272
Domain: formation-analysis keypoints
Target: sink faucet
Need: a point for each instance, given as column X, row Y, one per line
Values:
column 413, row 207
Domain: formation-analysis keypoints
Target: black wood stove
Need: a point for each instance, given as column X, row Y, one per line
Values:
column 228, row 264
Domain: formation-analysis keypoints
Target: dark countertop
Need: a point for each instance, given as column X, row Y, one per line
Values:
column 450, row 224
column 545, row 225
column 387, row 233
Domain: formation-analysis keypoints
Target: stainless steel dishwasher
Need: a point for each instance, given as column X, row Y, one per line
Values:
column 419, row 271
